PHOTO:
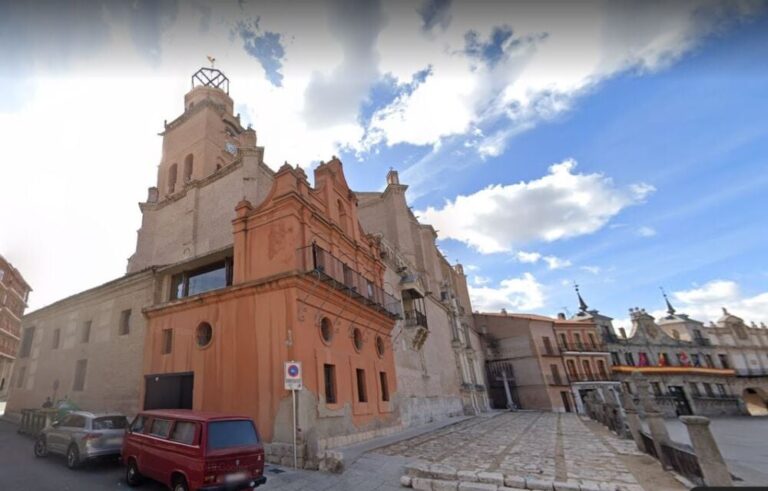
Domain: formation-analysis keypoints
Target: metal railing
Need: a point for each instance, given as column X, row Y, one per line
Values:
column 684, row 462
column 415, row 318
column 548, row 350
column 751, row 372
column 589, row 377
column 339, row 275
column 702, row 341
column 580, row 347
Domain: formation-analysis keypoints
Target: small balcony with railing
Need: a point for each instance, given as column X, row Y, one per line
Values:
column 557, row 380
column 590, row 377
column 339, row 275
column 415, row 318
column 576, row 347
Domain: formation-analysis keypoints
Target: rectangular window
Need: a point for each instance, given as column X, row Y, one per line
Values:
column 361, row 395
column 329, row 374
column 694, row 389
column 555, row 374
column 56, row 338
column 210, row 277
column 656, row 387
column 184, row 432
column 167, row 341
column 708, row 389
column 80, row 369
column 724, row 360
column 708, row 359
column 228, row 434
column 26, row 342
column 721, row 390
column 86, row 333
column 384, row 386
column 160, row 427
column 125, row 322
column 547, row 345
column 615, row 358
column 630, row 359
column 20, row 380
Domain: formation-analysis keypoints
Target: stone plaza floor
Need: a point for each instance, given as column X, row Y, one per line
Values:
column 539, row 447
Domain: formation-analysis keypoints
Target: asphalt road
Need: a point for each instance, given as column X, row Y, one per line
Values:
column 21, row 470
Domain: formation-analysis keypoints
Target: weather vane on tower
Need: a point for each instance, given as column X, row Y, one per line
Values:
column 212, row 60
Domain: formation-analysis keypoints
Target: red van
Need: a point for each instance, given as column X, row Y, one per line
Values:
column 194, row 450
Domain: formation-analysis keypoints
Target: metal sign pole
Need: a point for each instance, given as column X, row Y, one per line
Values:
column 295, row 460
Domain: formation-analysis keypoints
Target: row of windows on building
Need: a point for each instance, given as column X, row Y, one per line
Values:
column 709, row 391
column 79, row 380
column 331, row 395
column 124, row 328
column 682, row 359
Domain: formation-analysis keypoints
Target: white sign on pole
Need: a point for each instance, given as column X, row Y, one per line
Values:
column 293, row 375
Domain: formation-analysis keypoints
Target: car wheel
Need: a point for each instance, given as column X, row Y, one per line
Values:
column 180, row 484
column 73, row 457
column 41, row 448
column 132, row 476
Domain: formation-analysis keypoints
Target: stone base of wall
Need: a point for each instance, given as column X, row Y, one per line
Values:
column 417, row 411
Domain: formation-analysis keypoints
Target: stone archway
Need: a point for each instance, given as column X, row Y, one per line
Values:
column 755, row 400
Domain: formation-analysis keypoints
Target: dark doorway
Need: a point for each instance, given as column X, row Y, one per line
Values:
column 566, row 402
column 169, row 391
column 681, row 402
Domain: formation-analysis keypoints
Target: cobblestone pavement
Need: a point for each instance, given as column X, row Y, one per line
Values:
column 531, row 445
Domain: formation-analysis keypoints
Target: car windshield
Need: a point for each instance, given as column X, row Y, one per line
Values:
column 226, row 434
column 110, row 423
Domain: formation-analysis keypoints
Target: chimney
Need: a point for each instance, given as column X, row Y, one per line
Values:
column 561, row 316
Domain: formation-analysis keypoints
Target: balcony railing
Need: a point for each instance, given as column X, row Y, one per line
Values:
column 580, row 347
column 339, row 275
column 702, row 341
column 751, row 372
column 414, row 318
column 717, row 397
column 590, row 377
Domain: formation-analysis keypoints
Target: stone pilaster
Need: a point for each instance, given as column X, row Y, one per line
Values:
column 710, row 459
column 653, row 415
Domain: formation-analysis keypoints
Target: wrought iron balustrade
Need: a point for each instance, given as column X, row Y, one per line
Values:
column 341, row 276
column 415, row 318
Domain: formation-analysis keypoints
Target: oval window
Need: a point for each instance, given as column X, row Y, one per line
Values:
column 357, row 339
column 326, row 330
column 204, row 334
column 380, row 346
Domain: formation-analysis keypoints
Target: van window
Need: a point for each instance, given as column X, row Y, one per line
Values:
column 110, row 423
column 160, row 427
column 138, row 424
column 184, row 432
column 225, row 434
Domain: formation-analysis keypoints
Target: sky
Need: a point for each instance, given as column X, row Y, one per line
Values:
column 617, row 145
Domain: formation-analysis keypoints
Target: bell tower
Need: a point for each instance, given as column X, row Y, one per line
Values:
column 204, row 138
column 209, row 162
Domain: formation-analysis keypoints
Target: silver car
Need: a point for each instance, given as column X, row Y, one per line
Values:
column 82, row 436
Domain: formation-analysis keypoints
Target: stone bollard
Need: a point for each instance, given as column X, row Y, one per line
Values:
column 633, row 420
column 710, row 459
column 655, row 419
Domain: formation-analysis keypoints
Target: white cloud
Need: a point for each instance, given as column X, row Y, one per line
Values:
column 556, row 263
column 528, row 257
column 557, row 206
column 523, row 293
column 554, row 54
column 481, row 280
column 646, row 231
column 553, row 262
column 591, row 269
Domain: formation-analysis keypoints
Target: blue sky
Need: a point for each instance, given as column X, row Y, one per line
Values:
column 617, row 146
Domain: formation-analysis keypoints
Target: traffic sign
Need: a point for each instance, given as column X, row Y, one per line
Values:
column 293, row 375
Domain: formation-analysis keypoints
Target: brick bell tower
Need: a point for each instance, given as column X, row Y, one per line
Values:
column 204, row 147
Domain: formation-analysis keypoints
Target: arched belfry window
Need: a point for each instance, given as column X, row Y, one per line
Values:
column 188, row 167
column 342, row 215
column 172, row 178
